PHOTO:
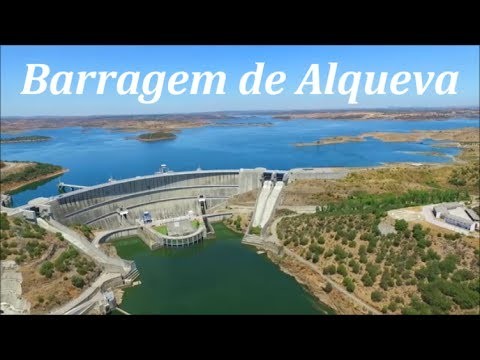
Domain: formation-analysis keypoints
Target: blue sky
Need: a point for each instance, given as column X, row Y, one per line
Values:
column 234, row 61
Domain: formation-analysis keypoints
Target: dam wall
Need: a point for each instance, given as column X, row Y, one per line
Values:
column 163, row 195
column 120, row 233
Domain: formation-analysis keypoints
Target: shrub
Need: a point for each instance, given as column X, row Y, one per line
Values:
column 401, row 225
column 392, row 306
column 373, row 270
column 78, row 281
column 376, row 296
column 328, row 253
column 328, row 288
column 4, row 223
column 432, row 255
column 367, row 280
column 340, row 254
column 255, row 230
column 330, row 270
column 342, row 270
column 47, row 269
column 449, row 264
column 20, row 259
column 363, row 259
column 432, row 295
column 349, row 285
column 462, row 275
column 315, row 258
column 417, row 307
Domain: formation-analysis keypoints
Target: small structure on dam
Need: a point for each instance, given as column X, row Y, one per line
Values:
column 174, row 232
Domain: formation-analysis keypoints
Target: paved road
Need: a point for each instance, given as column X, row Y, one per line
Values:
column 85, row 246
column 85, row 294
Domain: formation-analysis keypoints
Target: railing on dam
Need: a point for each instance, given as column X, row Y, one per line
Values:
column 147, row 192
column 118, row 233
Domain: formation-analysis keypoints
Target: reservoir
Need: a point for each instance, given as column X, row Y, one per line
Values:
column 218, row 276
column 94, row 155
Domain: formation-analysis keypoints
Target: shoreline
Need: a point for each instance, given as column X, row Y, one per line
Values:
column 23, row 141
column 444, row 138
column 7, row 189
column 177, row 122
column 333, row 300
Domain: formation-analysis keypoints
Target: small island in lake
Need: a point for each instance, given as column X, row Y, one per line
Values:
column 21, row 139
column 156, row 136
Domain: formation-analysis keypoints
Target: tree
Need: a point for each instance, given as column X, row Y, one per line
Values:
column 376, row 296
column 401, row 225
column 4, row 223
column 342, row 270
column 328, row 288
column 449, row 264
column 392, row 306
column 349, row 285
column 78, row 281
column 373, row 270
column 432, row 295
column 462, row 275
column 432, row 255
column 330, row 270
column 429, row 272
column 386, row 281
column 47, row 269
column 367, row 280
column 328, row 253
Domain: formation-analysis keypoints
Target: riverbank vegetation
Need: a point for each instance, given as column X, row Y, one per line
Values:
column 17, row 174
column 238, row 223
column 53, row 271
column 412, row 270
column 21, row 139
column 416, row 268
column 84, row 230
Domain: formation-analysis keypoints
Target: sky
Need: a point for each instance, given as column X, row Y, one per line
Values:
column 234, row 61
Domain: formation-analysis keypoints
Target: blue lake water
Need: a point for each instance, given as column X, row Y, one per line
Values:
column 93, row 155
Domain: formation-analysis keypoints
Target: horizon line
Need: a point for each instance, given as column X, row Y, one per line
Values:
column 390, row 108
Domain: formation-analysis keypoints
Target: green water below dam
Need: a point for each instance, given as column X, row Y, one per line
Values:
column 217, row 276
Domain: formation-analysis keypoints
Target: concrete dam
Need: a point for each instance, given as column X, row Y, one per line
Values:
column 119, row 203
